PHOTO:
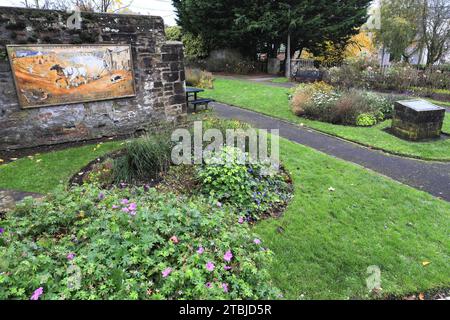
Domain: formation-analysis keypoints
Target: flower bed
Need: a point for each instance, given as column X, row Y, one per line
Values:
column 320, row 101
column 132, row 243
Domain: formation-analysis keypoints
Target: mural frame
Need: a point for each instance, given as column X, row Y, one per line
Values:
column 17, row 87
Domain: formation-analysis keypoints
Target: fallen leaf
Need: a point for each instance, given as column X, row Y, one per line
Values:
column 13, row 159
column 421, row 296
column 331, row 189
column 1, row 160
column 425, row 263
column 38, row 160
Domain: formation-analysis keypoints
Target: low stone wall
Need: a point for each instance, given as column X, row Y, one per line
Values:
column 158, row 68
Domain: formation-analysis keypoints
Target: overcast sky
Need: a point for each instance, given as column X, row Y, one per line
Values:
column 161, row 8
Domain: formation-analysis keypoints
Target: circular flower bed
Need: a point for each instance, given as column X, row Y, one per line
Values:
column 131, row 243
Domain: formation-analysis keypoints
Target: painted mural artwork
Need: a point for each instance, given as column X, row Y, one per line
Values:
column 48, row 75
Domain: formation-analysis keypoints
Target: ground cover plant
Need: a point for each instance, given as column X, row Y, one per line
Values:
column 274, row 101
column 254, row 189
column 130, row 243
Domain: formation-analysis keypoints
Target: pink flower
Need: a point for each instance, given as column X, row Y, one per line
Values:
column 227, row 268
column 228, row 256
column 132, row 213
column 126, row 210
column 37, row 293
column 225, row 287
column 132, row 207
column 115, row 207
column 257, row 241
column 166, row 272
column 210, row 266
column 101, row 196
column 174, row 239
column 124, row 201
column 241, row 220
column 208, row 285
column 200, row 250
column 70, row 256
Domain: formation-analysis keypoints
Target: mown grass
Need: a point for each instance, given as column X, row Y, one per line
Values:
column 329, row 239
column 43, row 173
column 273, row 101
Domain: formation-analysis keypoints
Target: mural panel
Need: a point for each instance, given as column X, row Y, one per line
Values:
column 48, row 75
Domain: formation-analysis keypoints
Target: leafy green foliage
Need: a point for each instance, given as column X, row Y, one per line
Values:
column 81, row 244
column 366, row 120
column 144, row 159
column 254, row 189
column 323, row 102
column 173, row 33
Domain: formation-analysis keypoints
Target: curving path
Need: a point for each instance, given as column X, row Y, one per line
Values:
column 431, row 177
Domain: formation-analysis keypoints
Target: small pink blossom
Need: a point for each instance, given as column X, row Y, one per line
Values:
column 132, row 207
column 228, row 256
column 241, row 220
column 225, row 287
column 166, row 272
column 174, row 239
column 257, row 241
column 208, row 285
column 70, row 256
column 115, row 207
column 37, row 293
column 124, row 201
column 200, row 250
column 210, row 266
column 227, row 268
column 101, row 196
column 133, row 213
column 126, row 210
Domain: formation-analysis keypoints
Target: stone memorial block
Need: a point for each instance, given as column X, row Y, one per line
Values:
column 417, row 120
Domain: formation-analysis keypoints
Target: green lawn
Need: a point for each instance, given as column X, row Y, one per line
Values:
column 44, row 172
column 331, row 238
column 281, row 80
column 273, row 101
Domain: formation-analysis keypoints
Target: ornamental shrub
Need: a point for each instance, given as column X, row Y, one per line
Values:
column 366, row 120
column 252, row 188
column 88, row 243
column 325, row 103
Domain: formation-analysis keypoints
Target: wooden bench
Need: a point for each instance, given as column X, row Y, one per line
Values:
column 200, row 102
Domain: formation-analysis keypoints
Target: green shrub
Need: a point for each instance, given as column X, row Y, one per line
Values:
column 254, row 188
column 89, row 243
column 174, row 33
column 144, row 159
column 323, row 102
column 198, row 78
column 366, row 120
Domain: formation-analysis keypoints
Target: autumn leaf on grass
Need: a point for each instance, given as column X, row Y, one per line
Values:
column 331, row 189
column 421, row 296
column 426, row 263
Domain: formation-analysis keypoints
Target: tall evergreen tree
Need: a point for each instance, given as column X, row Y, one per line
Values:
column 253, row 25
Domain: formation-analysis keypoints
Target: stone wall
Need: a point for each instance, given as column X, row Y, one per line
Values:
column 158, row 68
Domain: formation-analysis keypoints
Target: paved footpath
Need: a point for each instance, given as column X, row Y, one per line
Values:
column 432, row 177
